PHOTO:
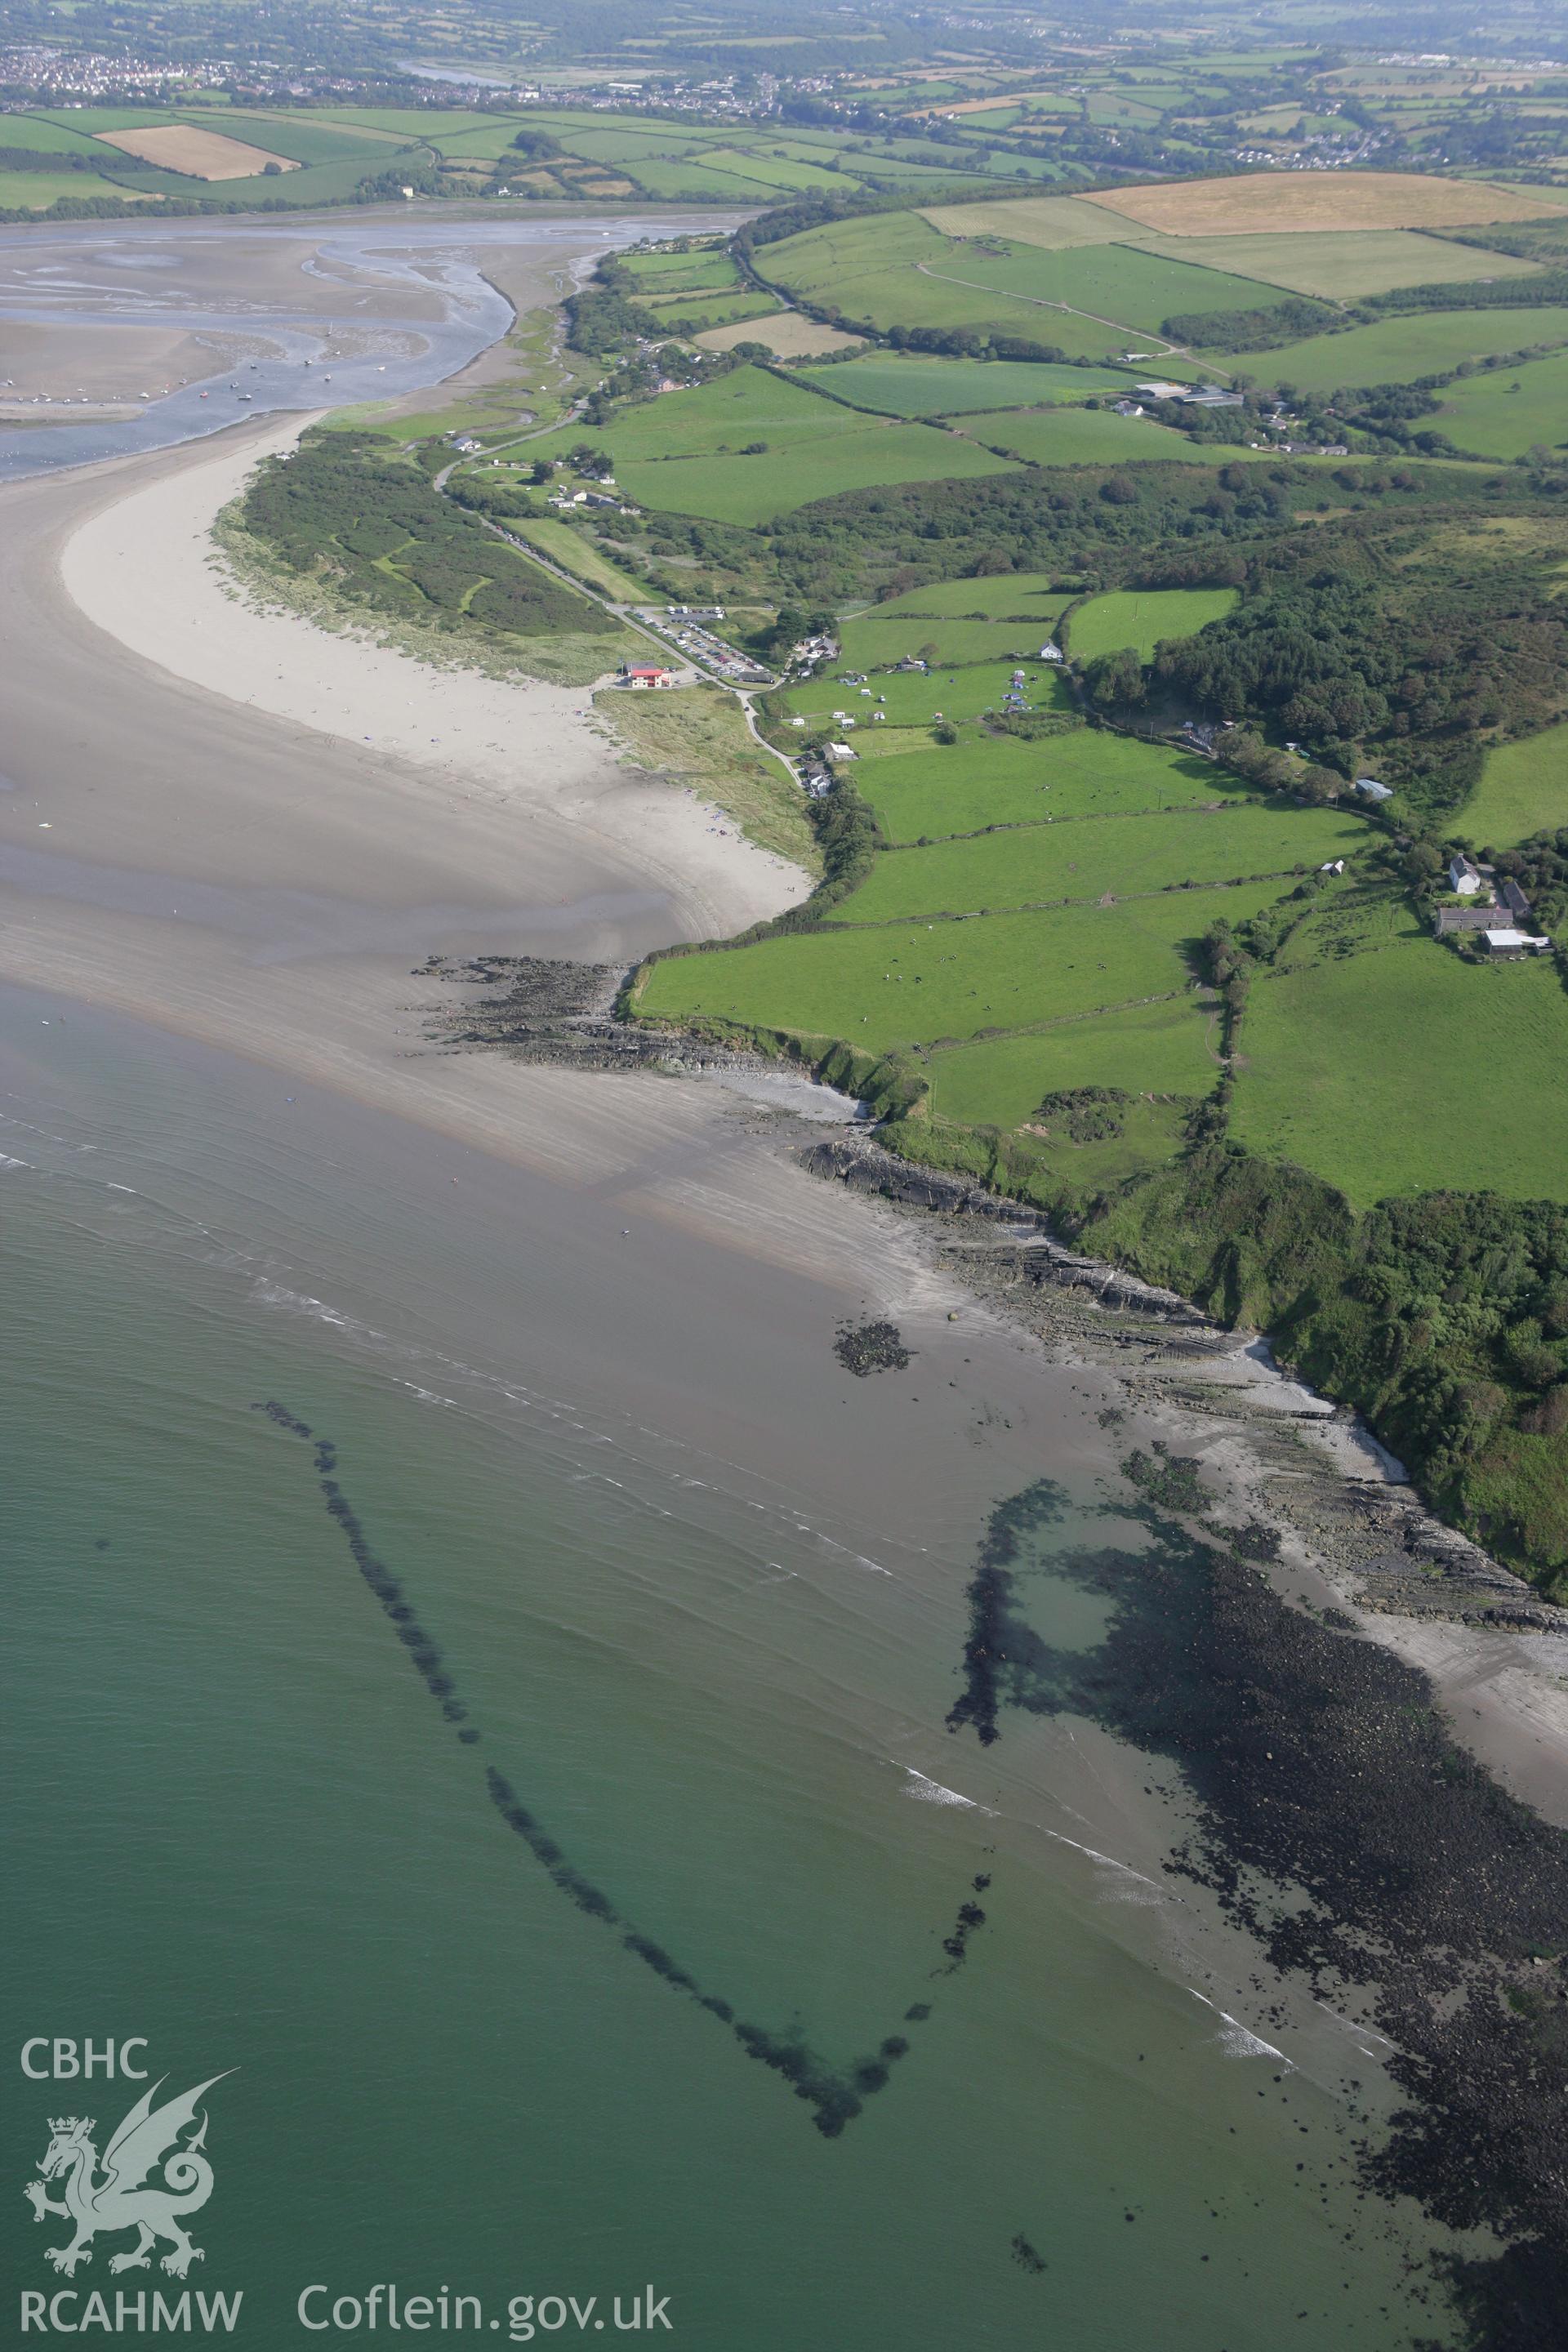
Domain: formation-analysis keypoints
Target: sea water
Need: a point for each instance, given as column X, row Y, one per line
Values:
column 250, row 1828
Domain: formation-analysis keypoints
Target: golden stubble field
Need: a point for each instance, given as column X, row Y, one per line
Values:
column 787, row 333
column 1268, row 202
column 199, row 154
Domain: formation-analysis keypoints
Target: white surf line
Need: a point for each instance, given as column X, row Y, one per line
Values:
column 1355, row 2027
column 935, row 1792
column 1241, row 2039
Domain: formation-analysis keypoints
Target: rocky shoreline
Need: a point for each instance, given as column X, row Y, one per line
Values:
column 1351, row 1815
column 1400, row 1558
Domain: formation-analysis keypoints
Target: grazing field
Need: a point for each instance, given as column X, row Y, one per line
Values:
column 1523, row 790
column 1124, row 855
column 750, row 491
column 720, row 417
column 981, row 781
column 788, row 335
column 1166, row 1048
column 1112, row 282
column 1053, row 222
column 702, row 313
column 708, row 270
column 1398, row 350
column 1506, row 411
column 910, row 698
column 1296, row 201
column 994, row 597
column 874, row 639
column 36, row 191
column 307, row 141
column 195, row 154
column 734, row 450
column 921, row 387
column 46, row 138
column 577, row 554
column 1406, row 1070
column 894, row 269
column 1345, row 265
column 912, row 983
column 1140, row 617
column 1082, row 437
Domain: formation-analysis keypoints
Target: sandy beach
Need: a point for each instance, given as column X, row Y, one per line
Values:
column 249, row 830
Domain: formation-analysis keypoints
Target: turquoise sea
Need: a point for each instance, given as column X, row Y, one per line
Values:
column 703, row 1598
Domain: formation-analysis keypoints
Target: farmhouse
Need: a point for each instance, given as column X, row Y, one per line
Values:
column 1464, row 879
column 1451, row 919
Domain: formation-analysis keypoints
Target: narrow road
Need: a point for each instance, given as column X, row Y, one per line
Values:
column 625, row 614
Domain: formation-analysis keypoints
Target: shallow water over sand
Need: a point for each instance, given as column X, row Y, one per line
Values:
column 702, row 1596
column 319, row 314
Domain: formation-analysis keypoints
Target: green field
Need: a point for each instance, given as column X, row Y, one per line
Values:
column 775, row 171
column 36, row 191
column 751, row 490
column 918, row 982
column 1082, row 437
column 1118, row 282
column 875, row 638
column 996, row 595
column 910, row 698
column 894, row 269
column 1140, row 617
column 1398, row 350
column 577, row 554
column 1162, row 1048
column 1125, row 855
column 1523, row 790
column 688, row 450
column 1054, row 223
column 981, row 781
column 1504, row 412
column 682, row 273
column 46, row 138
column 301, row 139
column 921, row 387
column 1378, row 1073
column 697, row 312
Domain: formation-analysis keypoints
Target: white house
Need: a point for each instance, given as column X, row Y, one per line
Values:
column 1464, row 878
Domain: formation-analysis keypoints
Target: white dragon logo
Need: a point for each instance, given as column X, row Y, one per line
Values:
column 124, row 2199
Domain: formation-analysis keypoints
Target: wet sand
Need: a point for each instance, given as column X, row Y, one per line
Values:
column 197, row 828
